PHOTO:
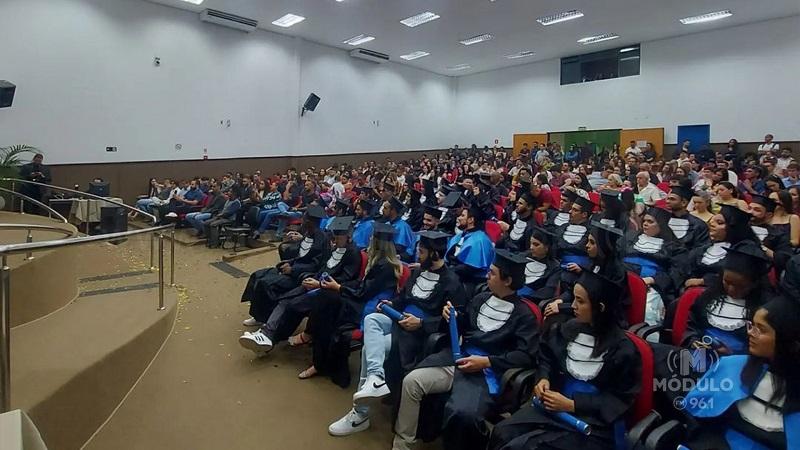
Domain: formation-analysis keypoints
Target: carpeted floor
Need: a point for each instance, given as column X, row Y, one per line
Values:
column 203, row 391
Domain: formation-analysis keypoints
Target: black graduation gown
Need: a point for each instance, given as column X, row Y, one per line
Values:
column 429, row 297
column 266, row 285
column 617, row 384
column 518, row 236
column 698, row 324
column 778, row 239
column 336, row 314
column 565, row 249
column 690, row 230
column 706, row 262
column 514, row 343
column 297, row 303
column 542, row 285
column 555, row 219
column 668, row 278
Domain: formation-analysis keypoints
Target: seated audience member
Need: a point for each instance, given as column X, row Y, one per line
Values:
column 499, row 333
column 470, row 253
column 728, row 195
column 420, row 302
column 717, row 318
column 784, row 218
column 265, row 286
column 729, row 227
column 655, row 254
column 271, row 204
column 431, row 217
column 774, row 239
column 613, row 213
column 588, row 368
column 702, row 209
column 649, row 192
column 341, row 263
column 214, row 206
column 226, row 216
column 542, row 270
column 154, row 190
column 690, row 230
column 792, row 177
column 340, row 309
column 516, row 234
column 557, row 218
column 404, row 238
column 184, row 202
column 362, row 229
column 762, row 408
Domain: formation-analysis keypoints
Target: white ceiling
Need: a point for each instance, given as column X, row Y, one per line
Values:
column 512, row 22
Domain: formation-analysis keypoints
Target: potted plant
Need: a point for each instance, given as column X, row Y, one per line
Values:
column 10, row 160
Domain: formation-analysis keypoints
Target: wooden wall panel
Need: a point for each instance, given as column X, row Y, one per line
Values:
column 654, row 136
column 530, row 138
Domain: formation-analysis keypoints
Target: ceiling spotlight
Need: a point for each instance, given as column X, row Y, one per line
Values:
column 560, row 17
column 708, row 17
column 598, row 38
column 477, row 39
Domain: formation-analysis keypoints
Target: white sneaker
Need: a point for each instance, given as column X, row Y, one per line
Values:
column 172, row 214
column 257, row 342
column 352, row 422
column 251, row 322
column 374, row 387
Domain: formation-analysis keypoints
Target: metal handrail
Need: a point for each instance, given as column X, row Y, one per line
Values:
column 29, row 226
column 12, row 249
column 83, row 194
column 50, row 210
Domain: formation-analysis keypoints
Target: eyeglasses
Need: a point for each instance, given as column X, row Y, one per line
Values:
column 752, row 329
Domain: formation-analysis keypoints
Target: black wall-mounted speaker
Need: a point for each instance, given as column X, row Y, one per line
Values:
column 311, row 102
column 7, row 90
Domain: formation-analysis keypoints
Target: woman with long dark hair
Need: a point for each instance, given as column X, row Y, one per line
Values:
column 761, row 408
column 587, row 368
column 542, row 271
column 784, row 218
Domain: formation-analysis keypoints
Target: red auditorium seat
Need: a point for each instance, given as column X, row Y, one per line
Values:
column 638, row 294
column 493, row 230
column 644, row 400
column 681, row 320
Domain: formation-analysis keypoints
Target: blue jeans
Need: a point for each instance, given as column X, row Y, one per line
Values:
column 265, row 216
column 283, row 222
column 377, row 343
column 144, row 205
column 196, row 220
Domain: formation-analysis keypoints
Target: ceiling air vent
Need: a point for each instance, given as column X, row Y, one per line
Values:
column 369, row 55
column 228, row 20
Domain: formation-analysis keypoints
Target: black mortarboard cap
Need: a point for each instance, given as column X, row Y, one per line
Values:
column 746, row 257
column 735, row 215
column 608, row 290
column 511, row 263
column 433, row 211
column 397, row 205
column 367, row 205
column 765, row 201
column 428, row 187
column 410, row 180
column 341, row 225
column 611, row 198
column 683, row 192
column 452, row 200
column 545, row 237
column 661, row 215
column 316, row 212
column 586, row 205
column 343, row 202
column 607, row 228
column 433, row 239
column 383, row 231
column 569, row 194
column 322, row 201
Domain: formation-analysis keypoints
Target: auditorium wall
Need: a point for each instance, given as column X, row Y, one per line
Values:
column 742, row 80
column 87, row 80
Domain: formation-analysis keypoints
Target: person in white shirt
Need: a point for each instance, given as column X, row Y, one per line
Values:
column 338, row 186
column 767, row 148
column 783, row 162
column 633, row 149
column 649, row 192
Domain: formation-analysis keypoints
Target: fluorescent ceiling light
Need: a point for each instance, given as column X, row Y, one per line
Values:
column 476, row 39
column 560, row 17
column 459, row 67
column 419, row 19
column 194, row 2
column 288, row 20
column 598, row 38
column 518, row 55
column 628, row 49
column 629, row 58
column 707, row 17
column 358, row 40
column 414, row 55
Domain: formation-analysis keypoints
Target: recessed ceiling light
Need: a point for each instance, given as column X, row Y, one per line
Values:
column 414, row 55
column 628, row 49
column 476, row 39
column 288, row 20
column 419, row 19
column 708, row 17
column 598, row 38
column 358, row 40
column 560, row 17
column 518, row 55
column 459, row 67
column 194, row 2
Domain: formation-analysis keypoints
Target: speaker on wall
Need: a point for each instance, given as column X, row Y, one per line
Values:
column 311, row 103
column 7, row 89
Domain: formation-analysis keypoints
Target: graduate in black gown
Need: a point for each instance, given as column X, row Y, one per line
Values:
column 517, row 233
column 339, row 309
column 775, row 240
column 729, row 227
column 342, row 263
column 266, row 285
column 761, row 411
column 587, row 367
column 558, row 217
column 690, row 230
column 542, row 271
column 499, row 332
column 414, row 211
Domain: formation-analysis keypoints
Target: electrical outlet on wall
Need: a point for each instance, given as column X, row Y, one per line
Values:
column 111, row 149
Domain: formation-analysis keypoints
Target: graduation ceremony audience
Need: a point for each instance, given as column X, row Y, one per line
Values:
column 516, row 302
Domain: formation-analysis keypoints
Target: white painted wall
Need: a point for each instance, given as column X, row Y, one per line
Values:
column 86, row 80
column 743, row 81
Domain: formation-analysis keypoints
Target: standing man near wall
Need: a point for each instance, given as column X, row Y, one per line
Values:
column 38, row 172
